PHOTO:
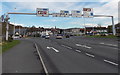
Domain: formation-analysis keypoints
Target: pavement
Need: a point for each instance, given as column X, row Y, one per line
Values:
column 21, row 59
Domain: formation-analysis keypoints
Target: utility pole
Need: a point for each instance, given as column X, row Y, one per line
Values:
column 14, row 25
column 85, row 27
column 19, row 30
column 7, row 26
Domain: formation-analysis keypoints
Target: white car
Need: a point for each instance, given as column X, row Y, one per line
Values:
column 47, row 36
column 16, row 36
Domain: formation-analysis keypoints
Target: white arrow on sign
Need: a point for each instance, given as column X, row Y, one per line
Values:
column 53, row 49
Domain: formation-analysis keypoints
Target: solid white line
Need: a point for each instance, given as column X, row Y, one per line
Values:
column 46, row 71
column 66, row 46
column 90, row 55
column 78, row 50
column 111, row 62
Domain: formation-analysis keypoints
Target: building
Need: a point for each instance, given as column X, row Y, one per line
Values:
column 75, row 31
column 117, row 28
column 96, row 30
column 21, row 30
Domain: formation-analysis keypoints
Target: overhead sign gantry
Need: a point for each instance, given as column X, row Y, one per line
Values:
column 44, row 12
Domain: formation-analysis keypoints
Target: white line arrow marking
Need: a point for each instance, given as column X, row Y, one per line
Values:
column 53, row 49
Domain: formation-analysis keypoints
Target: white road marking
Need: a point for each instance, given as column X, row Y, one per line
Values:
column 111, row 62
column 53, row 49
column 78, row 50
column 90, row 55
column 43, row 64
column 67, row 46
column 83, row 46
column 108, row 44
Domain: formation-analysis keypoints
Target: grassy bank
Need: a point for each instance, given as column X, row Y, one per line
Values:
column 7, row 45
column 98, row 36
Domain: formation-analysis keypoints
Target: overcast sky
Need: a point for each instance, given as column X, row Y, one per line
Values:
column 100, row 7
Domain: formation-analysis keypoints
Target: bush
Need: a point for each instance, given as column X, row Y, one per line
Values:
column 10, row 39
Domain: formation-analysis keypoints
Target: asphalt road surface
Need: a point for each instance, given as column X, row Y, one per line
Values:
column 79, row 54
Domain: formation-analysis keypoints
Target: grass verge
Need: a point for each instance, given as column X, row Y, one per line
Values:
column 7, row 45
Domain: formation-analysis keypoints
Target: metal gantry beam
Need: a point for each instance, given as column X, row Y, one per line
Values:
column 22, row 13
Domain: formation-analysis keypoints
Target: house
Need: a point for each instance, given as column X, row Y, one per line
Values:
column 96, row 30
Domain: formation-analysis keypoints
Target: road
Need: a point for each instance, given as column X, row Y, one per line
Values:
column 79, row 54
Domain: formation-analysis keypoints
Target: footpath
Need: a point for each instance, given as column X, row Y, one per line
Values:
column 21, row 59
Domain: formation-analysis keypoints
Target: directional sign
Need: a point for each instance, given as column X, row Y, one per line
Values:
column 87, row 12
column 56, row 14
column 44, row 12
column 76, row 13
column 64, row 13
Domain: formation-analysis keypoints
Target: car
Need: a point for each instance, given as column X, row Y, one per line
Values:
column 67, row 36
column 16, row 36
column 43, row 36
column 47, row 36
column 59, row 36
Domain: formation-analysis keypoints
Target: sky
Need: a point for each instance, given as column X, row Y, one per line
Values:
column 100, row 7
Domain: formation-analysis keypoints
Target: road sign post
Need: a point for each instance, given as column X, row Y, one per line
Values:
column 113, row 26
column 64, row 13
column 43, row 12
column 88, row 12
column 76, row 13
column 56, row 14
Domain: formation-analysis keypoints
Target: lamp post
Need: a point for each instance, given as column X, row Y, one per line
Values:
column 7, row 26
column 14, row 25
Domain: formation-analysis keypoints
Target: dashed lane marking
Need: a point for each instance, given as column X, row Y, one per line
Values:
column 90, row 55
column 108, row 44
column 66, row 46
column 110, row 62
column 78, row 50
column 83, row 46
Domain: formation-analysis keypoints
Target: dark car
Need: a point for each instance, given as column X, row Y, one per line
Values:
column 67, row 36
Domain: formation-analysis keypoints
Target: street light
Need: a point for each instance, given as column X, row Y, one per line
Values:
column 14, row 24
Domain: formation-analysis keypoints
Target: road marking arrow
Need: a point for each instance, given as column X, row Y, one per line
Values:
column 53, row 49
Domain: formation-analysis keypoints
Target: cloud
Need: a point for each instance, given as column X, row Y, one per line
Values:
column 56, row 0
column 16, row 24
column 47, row 0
